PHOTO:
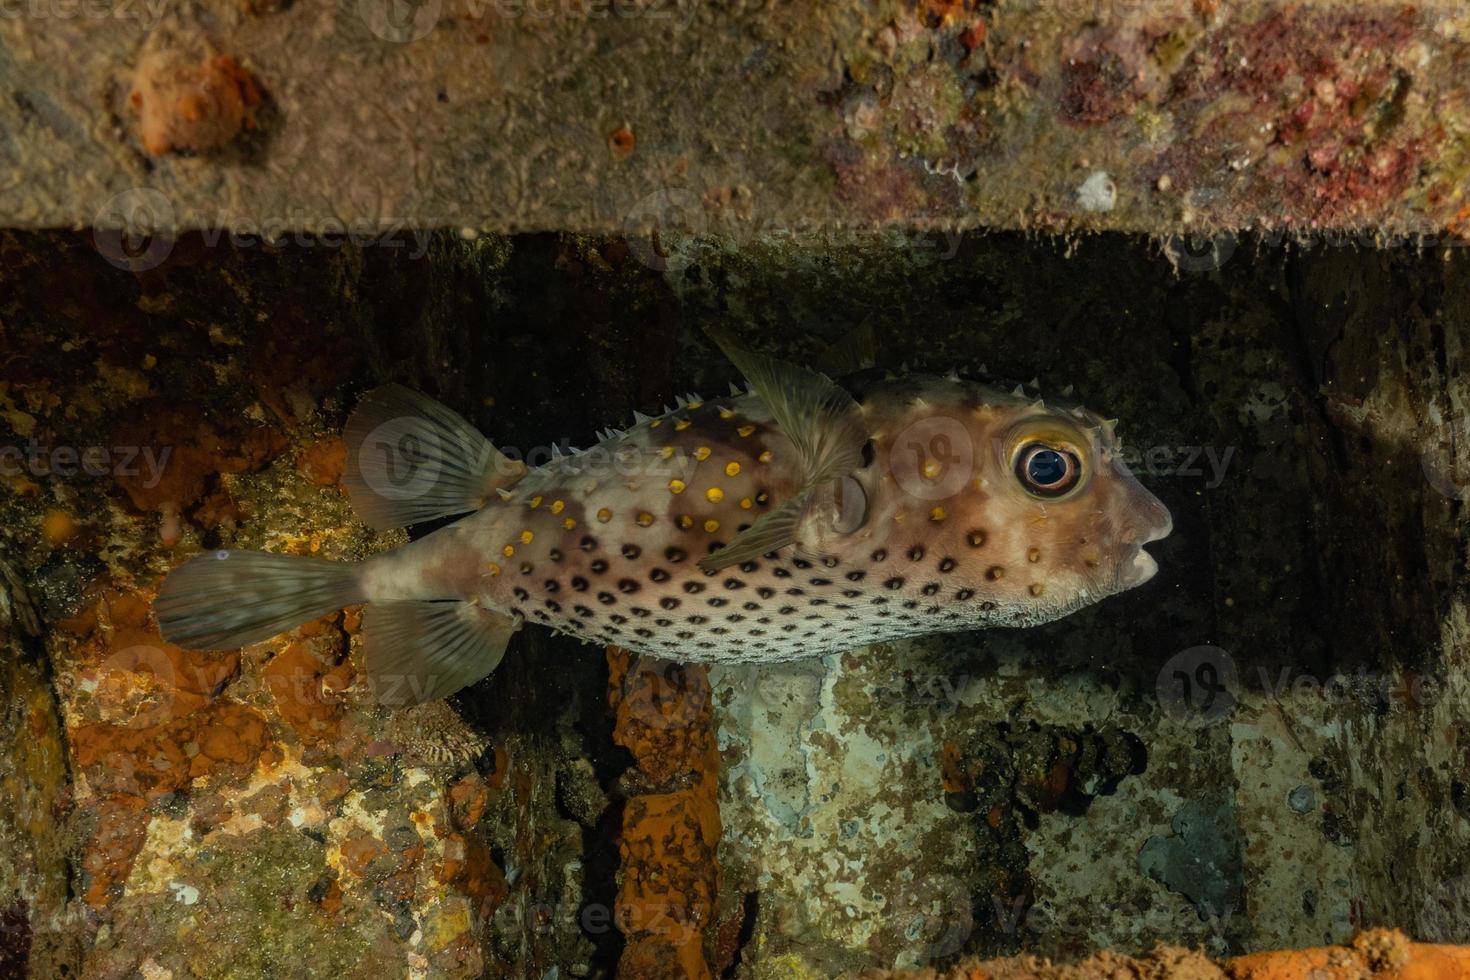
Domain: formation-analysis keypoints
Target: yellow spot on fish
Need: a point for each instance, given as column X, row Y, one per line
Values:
column 726, row 413
column 932, row 469
column 666, row 452
column 732, row 469
column 1037, row 588
column 536, row 501
column 493, row 568
column 745, row 430
column 557, row 506
column 681, row 425
column 714, row 495
column 527, row 537
column 765, row 457
column 686, row 521
column 746, row 503
column 702, row 453
column 568, row 523
column 693, row 405
column 645, row 519
column 1033, row 555
column 676, row 486
column 508, row 550
column 655, row 423
column 604, row 515
column 711, row 525
column 995, row 573
column 937, row 514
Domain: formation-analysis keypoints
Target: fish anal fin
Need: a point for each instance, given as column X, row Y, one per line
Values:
column 411, row 459
column 422, row 650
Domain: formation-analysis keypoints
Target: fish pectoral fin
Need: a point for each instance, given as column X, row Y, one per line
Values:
column 422, row 650
column 772, row 532
column 822, row 421
column 410, row 459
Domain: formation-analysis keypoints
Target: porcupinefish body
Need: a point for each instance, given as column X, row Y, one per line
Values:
column 789, row 521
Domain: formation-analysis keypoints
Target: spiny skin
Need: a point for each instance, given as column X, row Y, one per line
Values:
column 604, row 545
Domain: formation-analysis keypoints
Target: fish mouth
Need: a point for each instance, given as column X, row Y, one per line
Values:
column 1138, row 569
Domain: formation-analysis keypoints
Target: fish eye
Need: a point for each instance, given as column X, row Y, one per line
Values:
column 1047, row 471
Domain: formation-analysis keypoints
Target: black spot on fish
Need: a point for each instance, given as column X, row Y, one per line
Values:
column 715, row 546
column 780, row 573
column 663, row 622
column 618, row 618
column 694, row 588
column 748, row 566
column 551, row 585
column 718, row 630
column 964, row 594
column 786, row 610
column 856, row 575
column 579, row 583
column 734, row 618
column 751, row 606
column 947, row 565
column 894, row 583
column 801, row 563
column 734, row 583
column 880, row 555
column 599, row 566
column 851, row 593
column 628, row 585
column 916, row 553
column 976, row 538
column 796, row 592
column 685, row 635
column 521, row 593
column 821, row 581
column 631, row 551
column 911, row 604
column 555, row 554
column 587, row 543
column 553, row 605
column 718, row 601
column 643, row 632
column 676, row 554
column 698, row 620
column 765, row 592
column 640, row 612
column 669, row 602
column 582, row 610
column 606, row 598
column 659, row 575
column 930, row 589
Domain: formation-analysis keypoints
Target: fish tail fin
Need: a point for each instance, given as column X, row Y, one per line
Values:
column 226, row 599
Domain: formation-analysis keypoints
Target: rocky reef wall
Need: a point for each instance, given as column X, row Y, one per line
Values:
column 1263, row 747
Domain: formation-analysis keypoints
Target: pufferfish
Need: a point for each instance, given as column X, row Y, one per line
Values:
column 787, row 520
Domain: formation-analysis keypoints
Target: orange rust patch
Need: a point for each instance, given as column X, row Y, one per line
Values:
column 197, row 453
column 304, row 679
column 221, row 739
column 669, row 836
column 323, row 461
column 467, row 801
column 199, row 107
column 122, row 826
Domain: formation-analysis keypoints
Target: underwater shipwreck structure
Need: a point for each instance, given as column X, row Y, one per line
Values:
column 1238, row 226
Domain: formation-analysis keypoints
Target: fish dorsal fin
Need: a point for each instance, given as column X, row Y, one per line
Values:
column 410, row 459
column 823, row 423
column 856, row 351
